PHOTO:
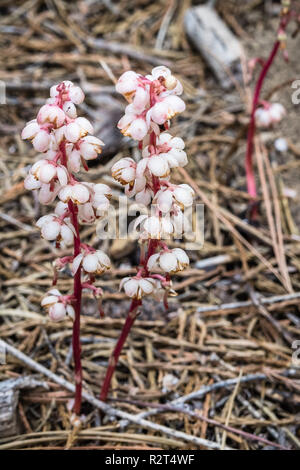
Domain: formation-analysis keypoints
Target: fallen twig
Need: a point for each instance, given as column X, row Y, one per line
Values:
column 249, row 303
column 177, row 409
column 106, row 408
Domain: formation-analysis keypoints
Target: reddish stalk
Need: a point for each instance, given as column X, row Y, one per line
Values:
column 132, row 314
column 133, row 311
column 251, row 185
column 77, row 306
column 77, row 302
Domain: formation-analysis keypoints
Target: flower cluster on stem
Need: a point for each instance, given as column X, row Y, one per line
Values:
column 66, row 143
column 153, row 100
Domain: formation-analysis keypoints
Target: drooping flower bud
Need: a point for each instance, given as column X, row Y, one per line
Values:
column 184, row 195
column 154, row 227
column 45, row 172
column 124, row 171
column 92, row 263
column 90, row 147
column 169, row 261
column 133, row 126
column 77, row 129
column 54, row 229
column 58, row 308
column 166, row 109
column 51, row 113
column 127, row 84
column 277, row 112
column 156, row 165
column 78, row 193
column 271, row 114
column 171, row 83
column 262, row 117
column 39, row 137
column 136, row 288
column 76, row 94
column 70, row 109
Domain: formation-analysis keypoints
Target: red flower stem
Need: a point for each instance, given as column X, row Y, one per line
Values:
column 77, row 302
column 132, row 314
column 251, row 185
column 77, row 307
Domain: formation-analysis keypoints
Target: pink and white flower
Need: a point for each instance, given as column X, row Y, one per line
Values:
column 128, row 84
column 86, row 214
column 53, row 228
column 124, row 171
column 182, row 195
column 98, row 205
column 77, row 129
column 153, row 101
column 64, row 138
column 31, row 182
column 101, row 196
column 170, row 261
column 133, row 125
column 57, row 306
column 136, row 288
column 277, row 112
column 78, row 193
column 74, row 158
column 87, row 148
column 171, row 148
column 90, row 147
column 156, row 165
column 145, row 196
column 48, row 193
column 171, row 83
column 262, row 117
column 154, row 227
column 70, row 109
column 76, row 94
column 167, row 109
column 141, row 100
column 46, row 171
column 61, row 208
column 269, row 114
column 138, row 186
column 52, row 114
column 38, row 136
column 96, row 262
column 71, row 92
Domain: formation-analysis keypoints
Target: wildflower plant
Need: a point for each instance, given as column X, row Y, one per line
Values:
column 264, row 114
column 66, row 143
column 153, row 100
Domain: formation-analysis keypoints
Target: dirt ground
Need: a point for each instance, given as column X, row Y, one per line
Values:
column 201, row 342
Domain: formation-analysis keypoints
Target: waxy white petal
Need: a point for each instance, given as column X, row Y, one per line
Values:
column 50, row 230
column 76, row 263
